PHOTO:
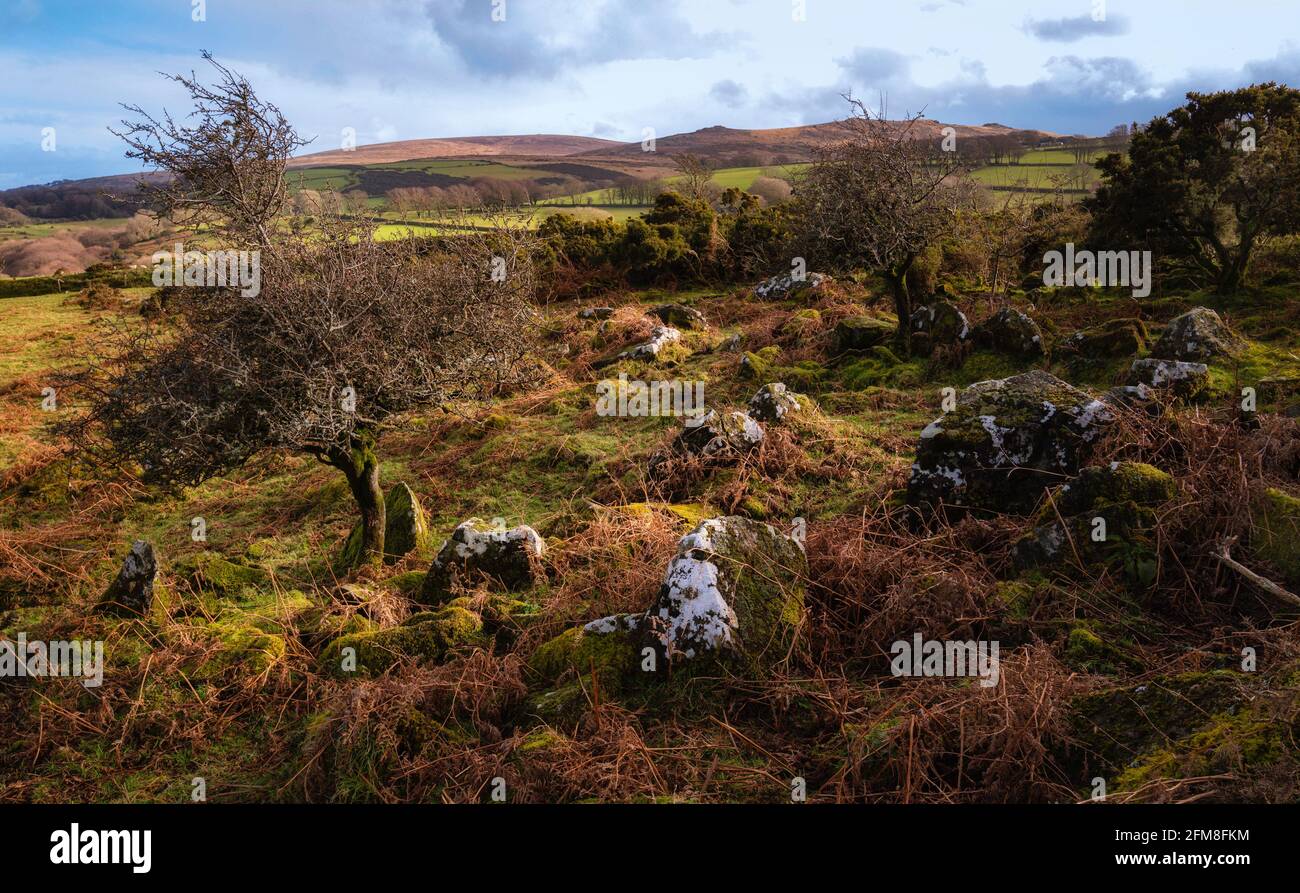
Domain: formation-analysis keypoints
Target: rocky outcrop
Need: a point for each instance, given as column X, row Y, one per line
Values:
column 786, row 286
column 131, row 592
column 773, row 402
column 1005, row 442
column 477, row 551
column 1011, row 331
column 1196, row 336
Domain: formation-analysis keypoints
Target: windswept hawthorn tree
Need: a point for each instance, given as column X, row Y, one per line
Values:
column 345, row 333
column 876, row 200
column 1202, row 185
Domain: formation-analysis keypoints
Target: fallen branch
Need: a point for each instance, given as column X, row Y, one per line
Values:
column 1263, row 583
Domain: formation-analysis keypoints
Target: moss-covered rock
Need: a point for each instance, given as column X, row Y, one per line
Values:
column 679, row 315
column 426, row 636
column 239, row 646
column 1115, row 727
column 1005, row 442
column 1011, row 331
column 758, row 365
column 609, row 656
column 1182, row 380
column 1276, row 538
column 405, row 529
column 1196, row 336
column 477, row 551
column 863, row 333
column 1114, row 338
column 225, row 578
column 1106, row 513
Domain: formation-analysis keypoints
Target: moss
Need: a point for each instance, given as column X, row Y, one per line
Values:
column 611, row 657
column 407, row 584
column 1121, row 482
column 1015, row 597
column 863, row 333
column 427, row 636
column 1228, row 743
column 689, row 513
column 240, row 646
column 226, row 578
column 1277, row 532
column 1113, row 728
column 758, row 365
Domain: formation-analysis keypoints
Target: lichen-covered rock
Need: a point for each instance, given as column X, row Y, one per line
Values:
column 735, row 591
column 735, row 586
column 1123, row 495
column 1113, row 338
column 1183, row 380
column 773, row 402
column 1277, row 533
column 717, row 432
column 479, row 551
column 131, row 592
column 1130, row 396
column 660, row 338
column 596, row 313
column 1011, row 331
column 680, row 315
column 1197, row 335
column 939, row 324
column 863, row 333
column 1005, row 442
column 426, row 636
column 786, row 286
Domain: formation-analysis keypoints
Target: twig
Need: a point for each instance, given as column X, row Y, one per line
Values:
column 1263, row 583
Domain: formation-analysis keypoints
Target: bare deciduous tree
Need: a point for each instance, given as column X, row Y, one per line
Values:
column 876, row 200
column 226, row 169
column 345, row 333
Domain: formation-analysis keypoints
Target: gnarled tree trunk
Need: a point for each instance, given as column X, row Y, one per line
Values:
column 360, row 466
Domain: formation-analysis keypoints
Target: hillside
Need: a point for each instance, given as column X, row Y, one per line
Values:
column 534, row 145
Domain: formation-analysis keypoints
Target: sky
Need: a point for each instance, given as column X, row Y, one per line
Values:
column 412, row 69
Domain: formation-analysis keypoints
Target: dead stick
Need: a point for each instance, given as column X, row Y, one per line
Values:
column 1263, row 583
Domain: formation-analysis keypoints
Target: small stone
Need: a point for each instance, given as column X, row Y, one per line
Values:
column 132, row 591
column 772, row 403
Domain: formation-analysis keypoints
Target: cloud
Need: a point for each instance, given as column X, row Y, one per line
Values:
column 1068, row 30
column 549, row 39
column 729, row 93
column 873, row 65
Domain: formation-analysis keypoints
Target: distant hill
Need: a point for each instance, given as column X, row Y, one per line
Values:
column 540, row 145
column 581, row 157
